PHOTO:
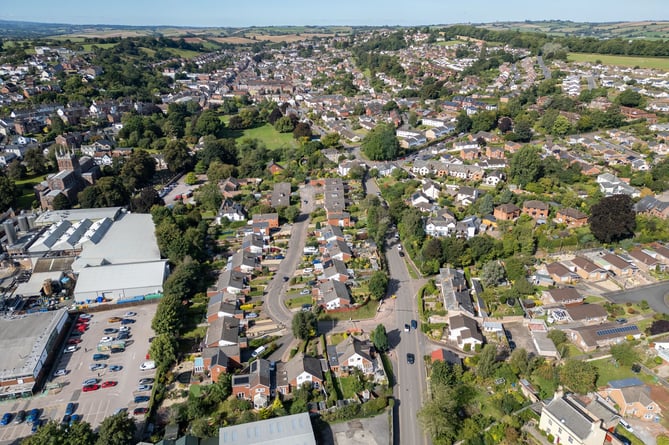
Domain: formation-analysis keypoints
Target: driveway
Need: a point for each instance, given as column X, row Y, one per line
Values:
column 654, row 294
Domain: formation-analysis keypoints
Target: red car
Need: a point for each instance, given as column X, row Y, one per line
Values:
column 139, row 411
column 81, row 328
column 74, row 341
column 109, row 384
column 88, row 388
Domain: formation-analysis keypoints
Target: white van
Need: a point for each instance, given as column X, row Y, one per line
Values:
column 626, row 425
column 258, row 351
column 147, row 365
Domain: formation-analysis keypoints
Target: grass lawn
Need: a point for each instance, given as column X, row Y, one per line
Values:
column 270, row 137
column 642, row 62
column 346, row 384
column 592, row 299
column 335, row 339
column 608, row 371
column 299, row 301
column 623, row 432
column 366, row 311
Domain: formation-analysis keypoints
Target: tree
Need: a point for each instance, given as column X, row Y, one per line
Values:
column 624, row 353
column 176, row 155
column 16, row 170
column 167, row 319
column 487, row 361
column 493, row 274
column 378, row 284
column 208, row 123
column 380, row 338
column 561, row 126
column 223, row 150
column 138, row 169
column 578, row 376
column 145, row 199
column 629, row 98
column 209, row 196
column 331, row 140
column 463, row 123
column 613, row 218
column 505, row 124
column 60, row 202
column 35, row 161
column 109, row 191
column 304, row 325
column 291, row 213
column 118, row 429
column 284, row 125
column 163, row 350
column 302, row 130
column 557, row 336
column 525, row 166
column 81, row 433
column 380, row 144
column 520, row 361
column 49, row 433
column 274, row 116
column 522, row 130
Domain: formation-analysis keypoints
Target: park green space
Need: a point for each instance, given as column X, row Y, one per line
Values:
column 631, row 61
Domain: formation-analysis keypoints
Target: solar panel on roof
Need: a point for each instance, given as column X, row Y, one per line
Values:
column 619, row 330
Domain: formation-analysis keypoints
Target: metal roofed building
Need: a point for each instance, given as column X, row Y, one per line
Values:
column 73, row 215
column 27, row 343
column 120, row 281
column 287, row 430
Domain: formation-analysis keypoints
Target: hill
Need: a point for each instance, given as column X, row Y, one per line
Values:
column 625, row 30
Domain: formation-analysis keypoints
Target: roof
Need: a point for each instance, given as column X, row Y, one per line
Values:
column 281, row 195
column 34, row 285
column 303, row 363
column 447, row 356
column 72, row 215
column 572, row 213
column 586, row 311
column 591, row 335
column 150, row 274
column 352, row 346
column 624, row 383
column 571, row 417
column 558, row 269
column 616, row 261
column 586, row 264
column 467, row 325
column 295, row 429
column 564, row 294
column 534, row 204
column 332, row 290
column 507, row 208
column 223, row 328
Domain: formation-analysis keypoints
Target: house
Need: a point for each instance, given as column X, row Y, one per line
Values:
column 615, row 264
column 280, row 195
column 219, row 308
column 253, row 243
column 661, row 252
column 495, row 152
column 221, row 360
column 571, row 421
column 633, row 399
column 455, row 292
column 644, row 261
column 337, row 249
column 335, row 270
column 588, row 270
column 506, row 212
column 341, row 219
column 303, row 369
column 591, row 337
column 333, row 294
column 229, row 187
column 612, row 185
column 419, row 198
column 231, row 281
column 439, row 227
column 274, row 168
column 493, row 178
column 244, row 262
column 222, row 331
column 560, row 274
column 345, row 167
column 232, row 211
column 464, row 330
column 467, row 195
column 431, row 190
column 444, row 355
column 562, row 295
column 571, row 217
column 350, row 354
column 649, row 205
column 587, row 313
column 537, row 210
column 256, row 385
column 331, row 233
column 272, row 219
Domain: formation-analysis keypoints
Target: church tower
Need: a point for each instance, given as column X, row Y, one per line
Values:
column 68, row 161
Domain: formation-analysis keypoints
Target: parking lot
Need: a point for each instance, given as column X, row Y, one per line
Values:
column 94, row 405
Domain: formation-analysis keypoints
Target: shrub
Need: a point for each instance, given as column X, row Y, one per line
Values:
column 658, row 360
column 467, row 347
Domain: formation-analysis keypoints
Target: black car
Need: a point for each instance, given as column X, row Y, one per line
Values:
column 20, row 417
column 123, row 336
column 141, row 399
column 414, row 324
column 401, row 253
column 411, row 358
column 127, row 321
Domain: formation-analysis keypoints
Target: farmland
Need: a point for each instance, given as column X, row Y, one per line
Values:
column 630, row 61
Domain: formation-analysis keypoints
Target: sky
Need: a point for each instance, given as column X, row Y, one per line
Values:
column 239, row 13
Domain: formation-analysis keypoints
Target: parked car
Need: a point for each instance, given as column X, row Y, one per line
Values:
column 407, row 328
column 147, row 365
column 127, row 321
column 115, row 368
column 88, row 388
column 65, row 421
column 140, row 411
column 141, row 399
column 33, row 415
column 85, row 316
column 75, row 334
column 60, row 372
column 114, row 319
column 97, row 357
column 124, row 329
column 75, row 418
column 6, row 418
column 109, row 383
column 144, row 388
column 305, row 292
column 86, row 383
column 97, row 366
column 74, row 341
column 146, row 381
column 123, row 336
column 36, row 424
column 121, row 410
column 414, row 324
column 411, row 358
column 71, row 407
column 110, row 331
column 130, row 314
column 20, row 417
column 70, row 348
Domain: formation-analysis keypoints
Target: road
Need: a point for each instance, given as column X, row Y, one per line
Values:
column 276, row 289
column 654, row 294
column 542, row 65
column 411, row 380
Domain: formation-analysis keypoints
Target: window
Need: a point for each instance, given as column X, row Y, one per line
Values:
column 649, row 407
column 570, row 439
column 550, row 422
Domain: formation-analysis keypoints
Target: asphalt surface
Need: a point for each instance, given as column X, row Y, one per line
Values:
column 276, row 289
column 654, row 294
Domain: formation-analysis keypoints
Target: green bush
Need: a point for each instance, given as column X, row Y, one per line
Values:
column 467, row 347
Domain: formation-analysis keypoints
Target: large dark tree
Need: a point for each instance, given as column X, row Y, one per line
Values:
column 177, row 155
column 525, row 166
column 613, row 219
column 138, row 169
column 304, row 325
column 117, row 430
column 381, row 144
column 7, row 192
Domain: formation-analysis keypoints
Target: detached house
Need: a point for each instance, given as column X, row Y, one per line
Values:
column 644, row 261
column 563, row 295
column 537, row 210
column 588, row 270
column 232, row 211
column 335, row 270
column 302, row 370
column 571, row 217
column 333, row 294
column 633, row 398
column 464, row 330
column 256, row 385
column 561, row 274
column 506, row 212
column 350, row 354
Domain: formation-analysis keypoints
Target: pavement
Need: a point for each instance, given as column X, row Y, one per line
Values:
column 654, row 294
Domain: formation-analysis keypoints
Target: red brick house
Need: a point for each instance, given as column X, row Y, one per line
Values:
column 571, row 217
column 272, row 219
column 537, row 210
column 221, row 360
column 340, row 219
column 506, row 212
column 588, row 270
column 256, row 385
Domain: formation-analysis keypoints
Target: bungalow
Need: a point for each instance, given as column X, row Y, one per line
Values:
column 615, row 264
column 244, row 262
column 661, row 252
column 571, row 217
column 303, row 370
column 464, row 330
column 219, row 308
column 591, row 337
column 506, row 212
column 644, row 261
column 345, row 167
column 256, row 385
column 350, row 354
column 560, row 274
column 588, row 270
column 562, row 295
column 333, row 294
column 633, row 398
column 331, row 233
column 587, row 313
column 537, row 210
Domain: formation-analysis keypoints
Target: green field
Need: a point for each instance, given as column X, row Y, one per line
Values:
column 449, row 42
column 270, row 137
column 661, row 63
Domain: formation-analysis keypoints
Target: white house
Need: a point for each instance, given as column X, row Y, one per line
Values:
column 464, row 331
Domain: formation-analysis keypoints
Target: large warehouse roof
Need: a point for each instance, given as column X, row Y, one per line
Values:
column 73, row 215
column 23, row 340
column 286, row 430
column 121, row 276
column 130, row 239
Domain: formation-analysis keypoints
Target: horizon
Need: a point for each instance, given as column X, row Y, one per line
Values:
column 376, row 13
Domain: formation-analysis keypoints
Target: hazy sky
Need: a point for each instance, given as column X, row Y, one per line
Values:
column 329, row 12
